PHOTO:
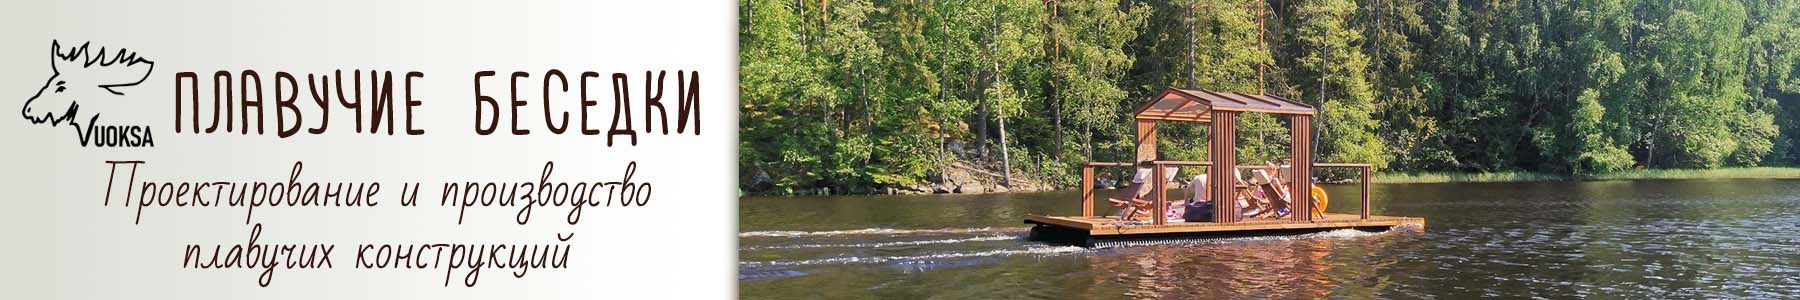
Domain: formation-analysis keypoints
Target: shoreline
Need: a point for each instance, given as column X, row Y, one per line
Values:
column 1440, row 177
column 1638, row 174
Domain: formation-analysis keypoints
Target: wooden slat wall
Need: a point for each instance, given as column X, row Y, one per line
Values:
column 1087, row 191
column 1146, row 152
column 1223, row 174
column 1300, row 184
column 1146, row 141
column 1159, row 194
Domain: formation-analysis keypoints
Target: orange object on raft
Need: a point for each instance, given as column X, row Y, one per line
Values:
column 1320, row 200
column 1223, row 178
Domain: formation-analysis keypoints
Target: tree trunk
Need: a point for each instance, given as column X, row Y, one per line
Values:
column 830, row 155
column 1087, row 141
column 1261, row 68
column 1005, row 158
column 981, row 119
column 844, row 110
column 804, row 46
column 862, row 90
column 1056, row 148
column 943, row 163
column 1056, row 102
column 1193, row 78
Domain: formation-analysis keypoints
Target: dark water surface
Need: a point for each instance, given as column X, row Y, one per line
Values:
column 1613, row 239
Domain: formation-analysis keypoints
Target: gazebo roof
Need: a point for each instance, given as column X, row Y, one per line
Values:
column 1196, row 105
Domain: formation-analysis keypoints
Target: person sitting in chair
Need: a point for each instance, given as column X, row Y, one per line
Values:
column 1198, row 208
column 1139, row 206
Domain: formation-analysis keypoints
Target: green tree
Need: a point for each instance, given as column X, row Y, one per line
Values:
column 1333, row 73
column 779, row 83
column 1697, row 112
column 1092, row 36
column 854, row 94
column 1772, row 33
column 1393, row 31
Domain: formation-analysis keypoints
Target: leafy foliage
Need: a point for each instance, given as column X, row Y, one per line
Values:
column 856, row 94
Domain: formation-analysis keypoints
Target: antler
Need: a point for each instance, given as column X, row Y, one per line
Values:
column 120, row 69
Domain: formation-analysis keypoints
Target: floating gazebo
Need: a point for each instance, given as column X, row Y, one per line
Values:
column 1223, row 177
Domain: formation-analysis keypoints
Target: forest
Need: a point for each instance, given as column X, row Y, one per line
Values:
column 855, row 95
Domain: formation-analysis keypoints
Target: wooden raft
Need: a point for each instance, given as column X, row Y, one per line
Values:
column 1104, row 226
column 1219, row 110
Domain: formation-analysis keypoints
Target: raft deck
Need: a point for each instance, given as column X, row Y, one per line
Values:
column 1087, row 231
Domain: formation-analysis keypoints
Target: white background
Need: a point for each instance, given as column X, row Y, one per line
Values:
column 60, row 241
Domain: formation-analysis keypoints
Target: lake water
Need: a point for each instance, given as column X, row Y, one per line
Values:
column 1612, row 239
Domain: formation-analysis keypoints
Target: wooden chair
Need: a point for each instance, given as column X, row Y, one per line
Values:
column 1139, row 207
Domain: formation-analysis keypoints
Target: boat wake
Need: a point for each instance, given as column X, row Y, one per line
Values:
column 1034, row 250
column 890, row 244
column 879, row 231
column 785, row 254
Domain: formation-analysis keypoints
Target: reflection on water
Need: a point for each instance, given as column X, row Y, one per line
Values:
column 1619, row 239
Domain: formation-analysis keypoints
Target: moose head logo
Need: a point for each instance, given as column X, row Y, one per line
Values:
column 81, row 75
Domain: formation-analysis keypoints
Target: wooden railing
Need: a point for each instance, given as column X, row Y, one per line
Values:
column 1087, row 185
column 1160, row 195
column 1368, row 175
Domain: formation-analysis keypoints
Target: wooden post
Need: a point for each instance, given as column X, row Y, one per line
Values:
column 1159, row 195
column 1300, row 167
column 1146, row 141
column 1087, row 191
column 1367, row 176
column 1223, row 176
